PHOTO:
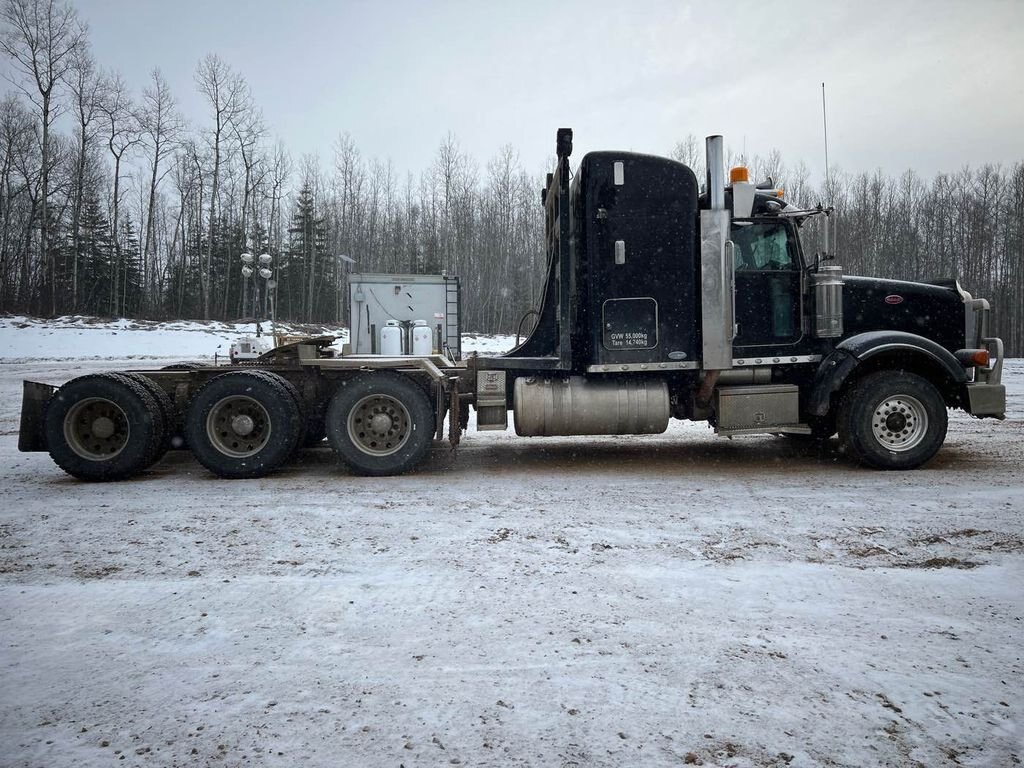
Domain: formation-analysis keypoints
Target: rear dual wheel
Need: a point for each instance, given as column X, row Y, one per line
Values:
column 311, row 425
column 105, row 426
column 243, row 424
column 380, row 424
column 168, row 414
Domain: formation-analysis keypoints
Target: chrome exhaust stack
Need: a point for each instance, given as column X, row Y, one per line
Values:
column 717, row 284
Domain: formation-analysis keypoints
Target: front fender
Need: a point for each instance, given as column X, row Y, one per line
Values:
column 850, row 353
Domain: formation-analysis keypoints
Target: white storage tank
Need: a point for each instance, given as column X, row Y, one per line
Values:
column 422, row 338
column 391, row 339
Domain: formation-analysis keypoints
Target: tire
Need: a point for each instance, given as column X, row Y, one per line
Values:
column 168, row 415
column 104, row 426
column 293, row 391
column 893, row 420
column 243, row 424
column 380, row 424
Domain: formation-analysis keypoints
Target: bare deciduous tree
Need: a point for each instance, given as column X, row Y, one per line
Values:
column 161, row 126
column 122, row 132
column 249, row 130
column 17, row 200
column 87, row 87
column 228, row 96
column 41, row 37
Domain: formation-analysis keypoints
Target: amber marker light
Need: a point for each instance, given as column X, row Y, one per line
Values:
column 968, row 357
column 739, row 173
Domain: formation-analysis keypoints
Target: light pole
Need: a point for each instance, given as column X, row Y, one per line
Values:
column 266, row 272
column 343, row 288
column 272, row 297
column 261, row 265
column 247, row 261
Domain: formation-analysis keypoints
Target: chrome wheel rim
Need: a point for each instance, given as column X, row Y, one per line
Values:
column 238, row 426
column 899, row 423
column 96, row 429
column 379, row 425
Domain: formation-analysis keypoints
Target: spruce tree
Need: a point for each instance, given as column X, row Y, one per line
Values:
column 310, row 294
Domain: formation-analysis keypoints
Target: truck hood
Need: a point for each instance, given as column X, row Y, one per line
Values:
column 933, row 311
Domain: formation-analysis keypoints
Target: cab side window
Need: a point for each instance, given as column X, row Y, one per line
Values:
column 767, row 283
column 761, row 246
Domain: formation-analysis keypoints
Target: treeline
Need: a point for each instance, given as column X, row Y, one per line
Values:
column 129, row 210
column 126, row 209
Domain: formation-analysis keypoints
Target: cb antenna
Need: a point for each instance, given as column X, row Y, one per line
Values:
column 824, row 125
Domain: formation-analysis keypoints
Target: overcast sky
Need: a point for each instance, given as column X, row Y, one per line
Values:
column 931, row 85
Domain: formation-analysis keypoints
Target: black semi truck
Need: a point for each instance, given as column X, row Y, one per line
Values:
column 660, row 302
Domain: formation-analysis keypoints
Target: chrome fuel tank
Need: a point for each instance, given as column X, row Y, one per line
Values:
column 579, row 406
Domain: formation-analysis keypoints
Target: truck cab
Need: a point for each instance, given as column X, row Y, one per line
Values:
column 662, row 301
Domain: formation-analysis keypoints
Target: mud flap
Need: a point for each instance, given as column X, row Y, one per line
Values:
column 455, row 411
column 34, row 398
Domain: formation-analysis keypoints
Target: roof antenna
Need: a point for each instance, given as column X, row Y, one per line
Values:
column 824, row 125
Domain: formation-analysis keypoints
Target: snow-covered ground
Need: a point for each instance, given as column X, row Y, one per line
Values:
column 652, row 601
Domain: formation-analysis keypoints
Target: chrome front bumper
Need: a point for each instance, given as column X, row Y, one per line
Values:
column 986, row 395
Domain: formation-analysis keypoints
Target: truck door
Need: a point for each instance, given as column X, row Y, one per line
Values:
column 768, row 272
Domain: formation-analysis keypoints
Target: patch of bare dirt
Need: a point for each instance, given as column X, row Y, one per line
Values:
column 940, row 562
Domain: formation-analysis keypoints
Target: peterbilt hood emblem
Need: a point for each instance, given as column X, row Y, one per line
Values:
column 893, row 298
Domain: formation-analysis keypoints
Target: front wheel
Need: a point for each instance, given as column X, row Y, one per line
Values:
column 893, row 420
column 380, row 424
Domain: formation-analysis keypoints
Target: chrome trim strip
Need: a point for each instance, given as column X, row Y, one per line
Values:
column 646, row 367
column 776, row 360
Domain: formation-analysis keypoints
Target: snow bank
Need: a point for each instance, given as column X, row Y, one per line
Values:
column 74, row 337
